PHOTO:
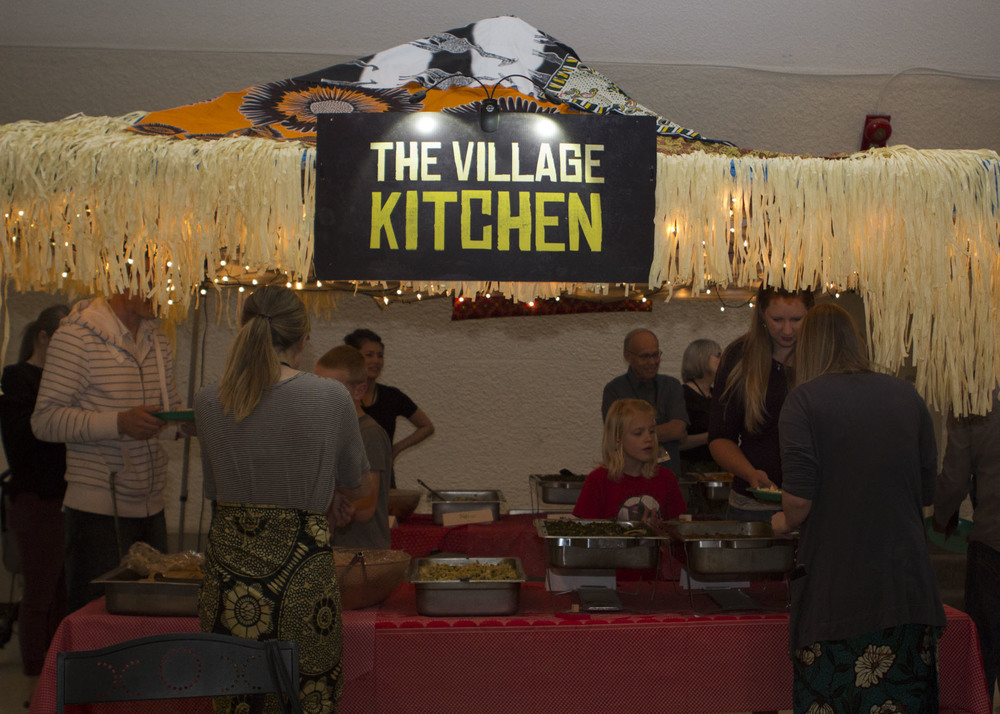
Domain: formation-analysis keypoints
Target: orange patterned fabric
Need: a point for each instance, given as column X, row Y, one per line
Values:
column 504, row 58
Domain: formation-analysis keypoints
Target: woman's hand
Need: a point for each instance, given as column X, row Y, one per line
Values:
column 759, row 479
column 779, row 524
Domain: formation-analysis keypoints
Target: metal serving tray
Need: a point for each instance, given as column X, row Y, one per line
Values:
column 126, row 593
column 461, row 501
column 625, row 552
column 715, row 490
column 732, row 550
column 443, row 598
column 560, row 489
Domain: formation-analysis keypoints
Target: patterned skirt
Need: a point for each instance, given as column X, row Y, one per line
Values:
column 886, row 672
column 269, row 574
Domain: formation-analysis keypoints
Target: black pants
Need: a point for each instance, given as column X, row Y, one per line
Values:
column 92, row 548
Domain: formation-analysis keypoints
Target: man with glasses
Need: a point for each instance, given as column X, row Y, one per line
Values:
column 643, row 381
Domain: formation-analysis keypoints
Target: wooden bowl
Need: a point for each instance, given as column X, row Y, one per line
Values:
column 370, row 584
column 402, row 503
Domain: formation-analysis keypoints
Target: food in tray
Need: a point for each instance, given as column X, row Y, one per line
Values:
column 176, row 574
column 596, row 529
column 470, row 571
column 562, row 477
column 771, row 493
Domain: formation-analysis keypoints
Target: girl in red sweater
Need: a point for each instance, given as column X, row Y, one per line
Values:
column 630, row 485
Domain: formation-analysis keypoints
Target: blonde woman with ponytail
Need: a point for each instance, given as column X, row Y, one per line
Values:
column 750, row 386
column 276, row 444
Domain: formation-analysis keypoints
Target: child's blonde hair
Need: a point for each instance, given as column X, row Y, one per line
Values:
column 619, row 415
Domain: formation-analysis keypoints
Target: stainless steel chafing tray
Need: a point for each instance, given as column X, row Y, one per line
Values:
column 443, row 598
column 127, row 593
column 619, row 552
column 732, row 550
column 560, row 489
column 461, row 501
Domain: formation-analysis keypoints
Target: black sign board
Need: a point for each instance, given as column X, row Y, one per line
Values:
column 432, row 196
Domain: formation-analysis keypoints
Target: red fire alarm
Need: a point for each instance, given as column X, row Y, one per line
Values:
column 876, row 132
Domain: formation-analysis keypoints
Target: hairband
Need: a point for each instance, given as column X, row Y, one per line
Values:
column 264, row 315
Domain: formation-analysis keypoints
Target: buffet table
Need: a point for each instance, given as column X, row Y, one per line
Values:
column 510, row 537
column 667, row 658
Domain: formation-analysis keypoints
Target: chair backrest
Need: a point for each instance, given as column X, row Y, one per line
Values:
column 173, row 666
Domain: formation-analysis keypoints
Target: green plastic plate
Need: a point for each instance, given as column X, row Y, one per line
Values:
column 761, row 494
column 182, row 415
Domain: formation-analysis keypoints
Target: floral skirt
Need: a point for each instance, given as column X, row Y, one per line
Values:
column 269, row 574
column 886, row 672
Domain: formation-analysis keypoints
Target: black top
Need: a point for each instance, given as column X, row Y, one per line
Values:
column 726, row 420
column 861, row 447
column 698, row 408
column 36, row 466
column 388, row 404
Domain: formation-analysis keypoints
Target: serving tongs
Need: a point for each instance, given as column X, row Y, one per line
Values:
column 434, row 493
column 359, row 557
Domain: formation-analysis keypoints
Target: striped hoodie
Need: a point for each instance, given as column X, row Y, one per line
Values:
column 93, row 370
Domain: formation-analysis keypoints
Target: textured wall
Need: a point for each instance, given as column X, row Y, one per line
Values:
column 509, row 397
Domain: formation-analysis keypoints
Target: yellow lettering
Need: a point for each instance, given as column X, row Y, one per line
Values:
column 381, row 147
column 440, row 199
column 546, row 164
column 381, row 220
column 480, row 160
column 407, row 163
column 507, row 222
column 569, row 163
column 426, row 160
column 412, row 219
column 515, row 165
column 591, row 225
column 591, row 163
column 494, row 176
column 542, row 221
column 468, row 242
column 462, row 167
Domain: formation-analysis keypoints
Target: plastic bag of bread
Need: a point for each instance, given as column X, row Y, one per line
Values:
column 146, row 561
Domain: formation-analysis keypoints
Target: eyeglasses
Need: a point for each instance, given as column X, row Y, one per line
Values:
column 646, row 356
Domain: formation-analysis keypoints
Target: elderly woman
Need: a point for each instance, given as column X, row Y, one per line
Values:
column 275, row 445
column 698, row 367
column 859, row 462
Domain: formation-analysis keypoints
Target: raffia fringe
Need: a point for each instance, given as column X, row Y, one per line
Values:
column 915, row 232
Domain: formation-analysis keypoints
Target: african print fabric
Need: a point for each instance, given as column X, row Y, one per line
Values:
column 458, row 68
column 269, row 574
column 893, row 671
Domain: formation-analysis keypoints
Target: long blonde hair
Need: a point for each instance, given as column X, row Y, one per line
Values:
column 749, row 377
column 615, row 423
column 829, row 343
column 273, row 320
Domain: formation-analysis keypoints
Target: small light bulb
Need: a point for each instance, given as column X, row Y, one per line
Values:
column 242, row 289
column 204, row 291
column 222, row 263
column 254, row 281
column 722, row 308
column 385, row 300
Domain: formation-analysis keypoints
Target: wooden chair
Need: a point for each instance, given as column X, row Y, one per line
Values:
column 178, row 666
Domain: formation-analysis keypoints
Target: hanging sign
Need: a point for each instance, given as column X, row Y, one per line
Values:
column 429, row 196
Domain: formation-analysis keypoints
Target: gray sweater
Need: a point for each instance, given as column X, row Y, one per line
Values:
column 861, row 448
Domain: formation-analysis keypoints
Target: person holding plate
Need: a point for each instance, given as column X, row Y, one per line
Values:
column 859, row 462
column 750, row 386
